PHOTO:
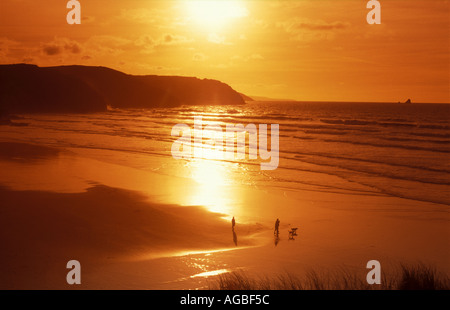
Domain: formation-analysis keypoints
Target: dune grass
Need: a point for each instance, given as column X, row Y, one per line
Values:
column 422, row 277
column 405, row 277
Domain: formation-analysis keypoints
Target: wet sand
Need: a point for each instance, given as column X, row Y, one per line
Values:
column 135, row 229
column 40, row 231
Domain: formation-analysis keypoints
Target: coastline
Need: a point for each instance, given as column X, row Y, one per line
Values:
column 130, row 238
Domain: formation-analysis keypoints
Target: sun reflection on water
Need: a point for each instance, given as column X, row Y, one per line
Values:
column 214, row 176
column 212, row 179
column 210, row 273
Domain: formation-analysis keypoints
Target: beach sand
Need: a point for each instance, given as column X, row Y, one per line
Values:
column 41, row 231
column 135, row 229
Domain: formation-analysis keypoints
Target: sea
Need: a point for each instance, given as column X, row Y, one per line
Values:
column 386, row 149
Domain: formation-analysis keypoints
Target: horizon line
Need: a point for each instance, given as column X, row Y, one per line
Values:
column 250, row 96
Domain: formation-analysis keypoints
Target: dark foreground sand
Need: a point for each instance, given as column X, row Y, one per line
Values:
column 41, row 231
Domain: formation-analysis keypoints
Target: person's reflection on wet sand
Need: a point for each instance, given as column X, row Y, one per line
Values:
column 276, row 239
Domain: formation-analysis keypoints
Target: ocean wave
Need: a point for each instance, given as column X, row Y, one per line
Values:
column 416, row 140
column 371, row 161
column 443, row 180
column 384, row 145
column 393, row 123
column 430, row 134
column 358, row 122
column 434, row 126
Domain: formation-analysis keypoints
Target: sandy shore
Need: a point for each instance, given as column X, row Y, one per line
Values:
column 130, row 239
column 41, row 231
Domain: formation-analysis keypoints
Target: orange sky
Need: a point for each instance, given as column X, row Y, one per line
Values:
column 299, row 49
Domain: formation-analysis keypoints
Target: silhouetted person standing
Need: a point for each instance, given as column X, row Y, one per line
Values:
column 233, row 223
column 277, row 225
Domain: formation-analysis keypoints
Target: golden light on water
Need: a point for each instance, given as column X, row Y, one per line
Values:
column 211, row 178
column 211, row 175
column 210, row 273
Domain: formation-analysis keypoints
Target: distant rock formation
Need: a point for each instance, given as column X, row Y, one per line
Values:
column 81, row 89
column 408, row 101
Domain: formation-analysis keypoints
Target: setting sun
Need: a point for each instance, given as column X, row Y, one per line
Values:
column 215, row 13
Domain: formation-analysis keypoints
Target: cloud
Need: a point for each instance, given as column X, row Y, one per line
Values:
column 256, row 57
column 85, row 19
column 145, row 40
column 28, row 60
column 199, row 57
column 102, row 45
column 296, row 24
column 320, row 25
column 147, row 44
column 61, row 45
column 166, row 39
column 110, row 41
column 12, row 51
column 307, row 30
column 73, row 47
column 217, row 39
column 260, row 24
column 171, row 39
column 52, row 49
column 139, row 15
column 239, row 58
column 220, row 66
